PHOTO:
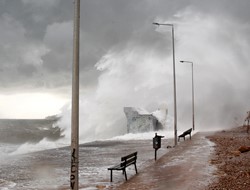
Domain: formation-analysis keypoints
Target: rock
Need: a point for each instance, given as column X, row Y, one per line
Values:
column 248, row 174
column 100, row 186
column 243, row 149
column 214, row 161
column 236, row 152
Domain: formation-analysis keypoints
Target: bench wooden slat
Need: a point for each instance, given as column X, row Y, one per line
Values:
column 118, row 167
column 128, row 156
column 128, row 163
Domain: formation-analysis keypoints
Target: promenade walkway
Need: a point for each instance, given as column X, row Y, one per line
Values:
column 185, row 167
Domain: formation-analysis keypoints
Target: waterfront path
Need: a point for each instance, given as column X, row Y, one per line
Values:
column 185, row 167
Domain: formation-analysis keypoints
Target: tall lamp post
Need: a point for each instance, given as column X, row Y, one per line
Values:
column 74, row 181
column 175, row 107
column 192, row 64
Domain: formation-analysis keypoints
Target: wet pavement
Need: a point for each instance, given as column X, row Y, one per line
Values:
column 185, row 167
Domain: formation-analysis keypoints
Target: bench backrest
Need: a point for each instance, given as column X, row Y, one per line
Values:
column 129, row 159
column 188, row 131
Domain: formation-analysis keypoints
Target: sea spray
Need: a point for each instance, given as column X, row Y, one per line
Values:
column 126, row 79
column 132, row 75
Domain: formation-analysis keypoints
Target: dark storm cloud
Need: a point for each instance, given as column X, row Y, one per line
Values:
column 36, row 39
column 47, row 26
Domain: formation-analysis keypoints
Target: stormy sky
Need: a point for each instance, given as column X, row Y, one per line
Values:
column 124, row 59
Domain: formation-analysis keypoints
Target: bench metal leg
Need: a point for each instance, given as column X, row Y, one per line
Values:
column 111, row 175
column 124, row 171
column 135, row 168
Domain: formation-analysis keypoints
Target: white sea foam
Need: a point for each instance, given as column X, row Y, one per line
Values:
column 144, row 136
column 42, row 145
column 45, row 144
column 6, row 185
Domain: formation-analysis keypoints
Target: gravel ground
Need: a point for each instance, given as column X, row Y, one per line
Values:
column 233, row 166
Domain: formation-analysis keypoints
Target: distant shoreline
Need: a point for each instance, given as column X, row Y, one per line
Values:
column 53, row 117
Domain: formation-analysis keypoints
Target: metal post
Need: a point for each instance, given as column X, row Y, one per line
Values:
column 193, row 94
column 74, row 181
column 192, row 64
column 175, row 104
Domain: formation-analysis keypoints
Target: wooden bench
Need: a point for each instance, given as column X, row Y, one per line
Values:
column 188, row 132
column 125, row 162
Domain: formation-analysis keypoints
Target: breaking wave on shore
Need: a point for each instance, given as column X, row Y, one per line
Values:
column 21, row 136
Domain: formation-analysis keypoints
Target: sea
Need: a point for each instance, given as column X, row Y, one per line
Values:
column 35, row 154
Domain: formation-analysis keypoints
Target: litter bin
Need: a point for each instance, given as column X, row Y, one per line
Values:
column 157, row 143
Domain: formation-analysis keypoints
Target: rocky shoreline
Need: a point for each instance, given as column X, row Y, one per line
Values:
column 232, row 159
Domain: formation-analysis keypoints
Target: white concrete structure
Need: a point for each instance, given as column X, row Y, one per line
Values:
column 139, row 120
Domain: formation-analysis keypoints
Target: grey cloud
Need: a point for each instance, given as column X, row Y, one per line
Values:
column 36, row 38
column 105, row 25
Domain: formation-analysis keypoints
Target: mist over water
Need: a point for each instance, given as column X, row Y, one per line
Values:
column 219, row 48
column 132, row 74
column 126, row 80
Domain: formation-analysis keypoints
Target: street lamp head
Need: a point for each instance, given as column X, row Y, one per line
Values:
column 186, row 62
column 160, row 24
column 156, row 23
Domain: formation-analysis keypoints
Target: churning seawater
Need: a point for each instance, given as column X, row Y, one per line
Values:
column 34, row 154
column 20, row 135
